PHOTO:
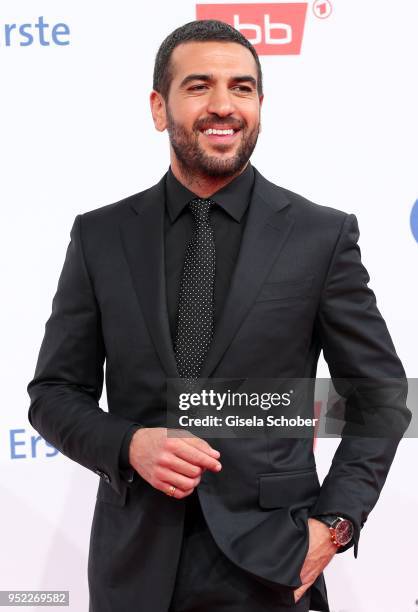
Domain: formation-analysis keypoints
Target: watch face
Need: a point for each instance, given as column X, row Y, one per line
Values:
column 344, row 532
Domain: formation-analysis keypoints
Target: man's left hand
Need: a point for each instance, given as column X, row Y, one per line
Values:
column 321, row 551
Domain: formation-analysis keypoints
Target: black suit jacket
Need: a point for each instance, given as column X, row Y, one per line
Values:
column 298, row 287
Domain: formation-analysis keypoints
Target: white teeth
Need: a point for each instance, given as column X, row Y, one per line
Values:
column 219, row 132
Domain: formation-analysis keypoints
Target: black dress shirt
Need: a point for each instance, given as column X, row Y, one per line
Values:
column 228, row 219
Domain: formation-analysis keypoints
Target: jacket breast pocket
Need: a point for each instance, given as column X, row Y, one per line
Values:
column 108, row 495
column 286, row 290
column 285, row 489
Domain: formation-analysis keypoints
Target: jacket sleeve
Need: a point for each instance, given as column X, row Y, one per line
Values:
column 68, row 379
column 361, row 356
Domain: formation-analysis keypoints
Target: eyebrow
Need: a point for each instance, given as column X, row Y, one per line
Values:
column 244, row 78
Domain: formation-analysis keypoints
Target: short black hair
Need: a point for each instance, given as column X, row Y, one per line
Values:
column 201, row 30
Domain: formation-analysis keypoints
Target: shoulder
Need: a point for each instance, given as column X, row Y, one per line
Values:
column 117, row 211
column 110, row 215
column 323, row 226
column 302, row 209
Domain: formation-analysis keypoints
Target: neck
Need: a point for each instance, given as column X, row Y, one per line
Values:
column 201, row 184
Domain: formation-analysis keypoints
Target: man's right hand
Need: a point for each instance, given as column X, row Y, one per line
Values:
column 165, row 461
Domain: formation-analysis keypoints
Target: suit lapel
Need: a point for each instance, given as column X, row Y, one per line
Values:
column 268, row 226
column 142, row 236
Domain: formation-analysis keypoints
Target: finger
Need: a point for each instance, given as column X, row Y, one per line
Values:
column 189, row 438
column 180, row 466
column 167, row 488
column 195, row 456
column 204, row 446
column 299, row 592
column 176, row 480
column 190, row 450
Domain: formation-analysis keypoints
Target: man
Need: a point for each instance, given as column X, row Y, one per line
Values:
column 213, row 272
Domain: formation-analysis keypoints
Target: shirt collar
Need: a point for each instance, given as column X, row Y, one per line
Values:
column 233, row 197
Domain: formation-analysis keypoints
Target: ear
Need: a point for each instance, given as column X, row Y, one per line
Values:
column 261, row 98
column 158, row 111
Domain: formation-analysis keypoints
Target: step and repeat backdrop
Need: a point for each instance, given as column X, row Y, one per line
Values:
column 339, row 126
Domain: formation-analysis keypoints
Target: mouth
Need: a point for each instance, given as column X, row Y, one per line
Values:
column 221, row 135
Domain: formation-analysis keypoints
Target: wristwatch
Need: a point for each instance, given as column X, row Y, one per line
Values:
column 341, row 529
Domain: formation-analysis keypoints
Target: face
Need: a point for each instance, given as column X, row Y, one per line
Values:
column 213, row 110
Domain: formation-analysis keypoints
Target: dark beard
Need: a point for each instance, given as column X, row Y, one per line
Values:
column 194, row 161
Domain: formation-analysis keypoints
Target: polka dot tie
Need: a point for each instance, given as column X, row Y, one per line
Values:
column 196, row 301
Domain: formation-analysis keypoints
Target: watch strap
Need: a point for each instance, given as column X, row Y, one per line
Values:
column 328, row 519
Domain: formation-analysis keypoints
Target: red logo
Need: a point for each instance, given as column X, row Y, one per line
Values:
column 273, row 29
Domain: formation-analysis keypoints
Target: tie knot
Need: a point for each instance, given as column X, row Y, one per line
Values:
column 200, row 209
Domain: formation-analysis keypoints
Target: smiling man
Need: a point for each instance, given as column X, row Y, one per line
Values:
column 212, row 117
column 213, row 272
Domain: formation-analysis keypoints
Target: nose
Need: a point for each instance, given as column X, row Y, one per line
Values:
column 221, row 102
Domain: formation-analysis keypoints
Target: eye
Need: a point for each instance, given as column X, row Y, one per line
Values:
column 196, row 87
column 244, row 88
